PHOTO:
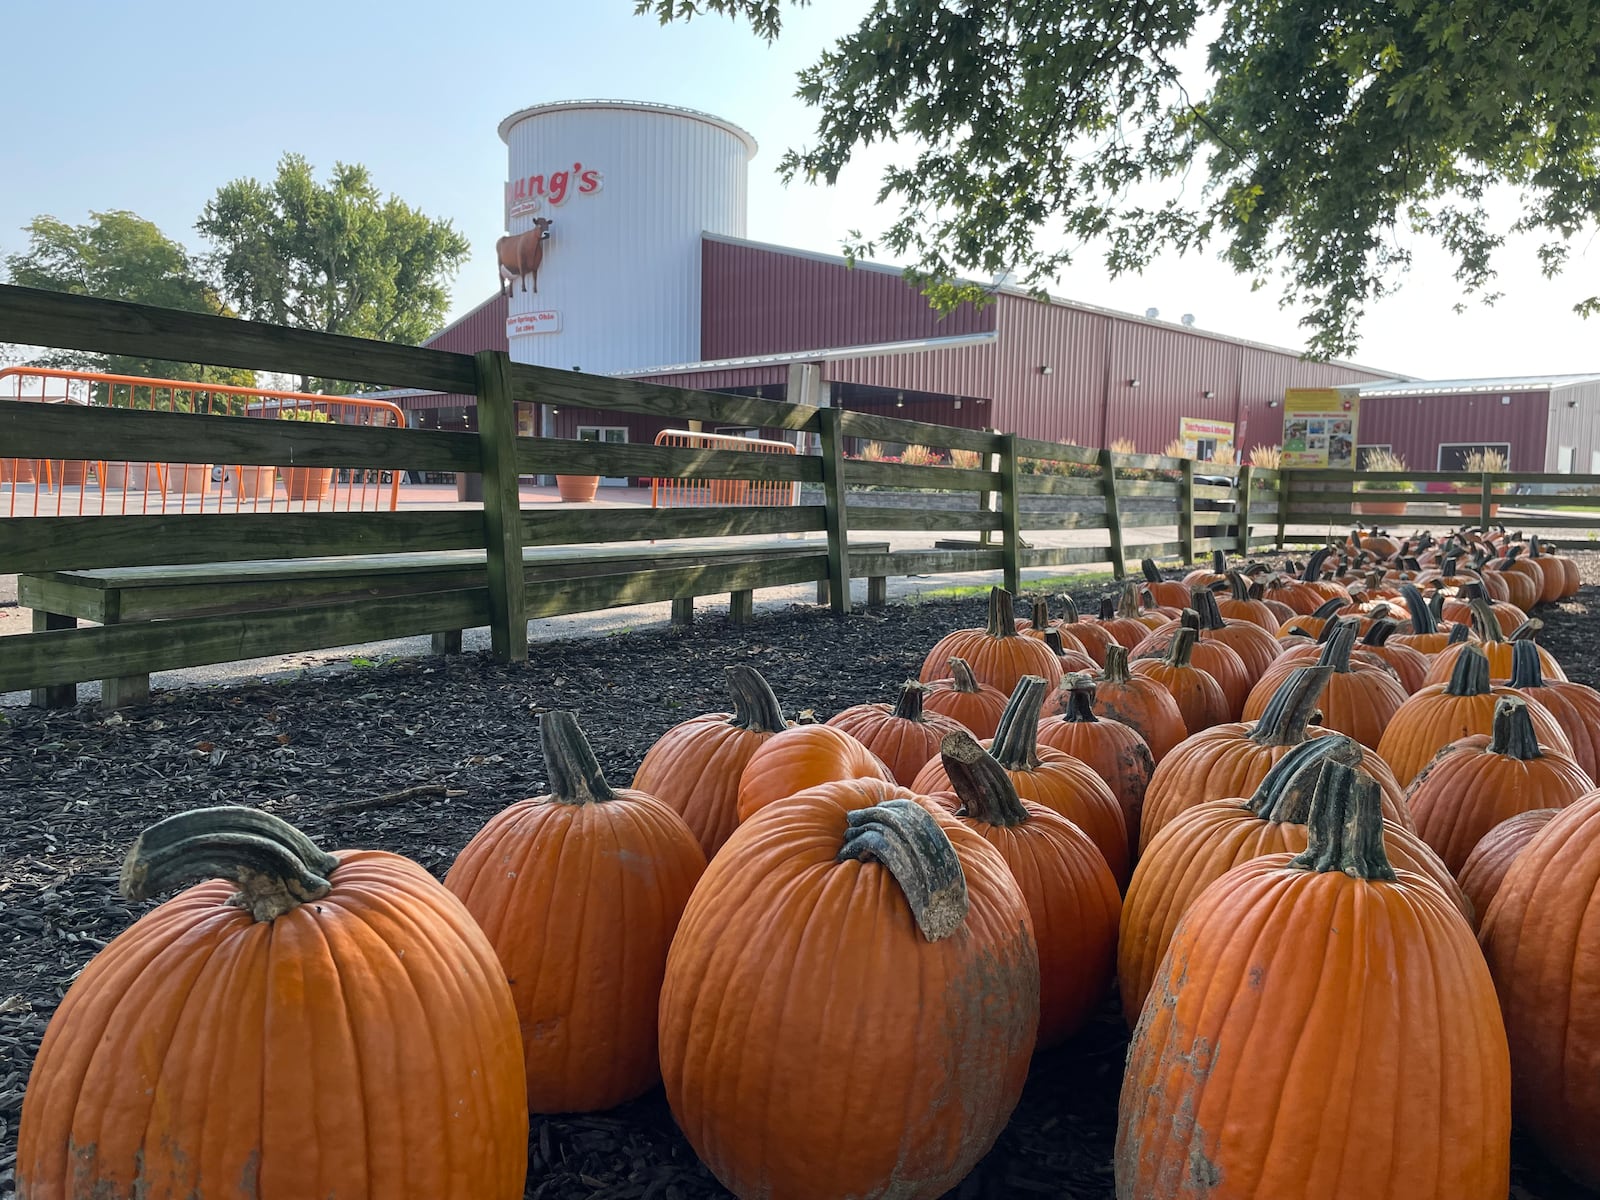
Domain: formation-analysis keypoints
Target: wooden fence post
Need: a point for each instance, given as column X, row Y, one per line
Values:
column 835, row 520
column 1283, row 503
column 1186, row 510
column 1108, row 484
column 1486, row 500
column 1010, row 515
column 502, row 507
column 1241, row 528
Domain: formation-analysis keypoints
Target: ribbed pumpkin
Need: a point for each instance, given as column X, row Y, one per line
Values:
column 1295, row 1043
column 1575, row 707
column 1233, row 759
column 1092, row 636
column 1216, row 658
column 803, row 757
column 1238, row 606
column 1114, row 751
column 1214, row 575
column 1210, row 839
column 1410, row 666
column 1307, row 593
column 902, row 735
column 1358, row 700
column 305, row 1024
column 1048, row 777
column 694, row 767
column 1039, row 625
column 1162, row 590
column 1497, row 648
column 1139, row 702
column 1253, row 644
column 1422, row 631
column 997, row 653
column 1524, row 582
column 1460, row 607
column 1063, row 876
column 1312, row 624
column 1068, row 658
column 878, row 966
column 1441, row 713
column 1485, row 870
column 1542, row 942
column 1555, row 579
column 962, row 698
column 1200, row 698
column 1480, row 780
column 1119, row 616
column 585, row 883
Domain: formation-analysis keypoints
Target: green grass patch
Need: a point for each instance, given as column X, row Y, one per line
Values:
column 1074, row 581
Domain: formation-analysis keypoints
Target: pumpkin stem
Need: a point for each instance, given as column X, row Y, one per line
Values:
column 905, row 838
column 1470, row 674
column 962, row 678
column 1108, row 607
column 1345, row 827
column 1016, row 739
column 1284, row 794
column 986, row 791
column 1422, row 620
column 1116, row 668
column 1336, row 651
column 575, row 776
column 1525, row 631
column 1239, row 585
column 1219, row 563
column 1069, row 610
column 277, row 867
column 754, row 705
column 1284, row 721
column 1326, row 610
column 1152, row 573
column 1204, row 603
column 1128, row 601
column 1182, row 647
column 1484, row 623
column 1379, row 632
column 1002, row 615
column 909, row 706
column 1526, row 669
column 1513, row 730
column 1314, row 564
column 1079, row 692
column 1460, row 632
column 1041, row 614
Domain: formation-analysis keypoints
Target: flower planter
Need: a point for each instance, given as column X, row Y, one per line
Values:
column 577, row 488
column 307, row 483
column 129, row 476
column 1473, row 511
column 252, row 483
column 1380, row 508
column 185, row 479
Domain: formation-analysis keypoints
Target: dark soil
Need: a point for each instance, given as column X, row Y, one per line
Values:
column 76, row 787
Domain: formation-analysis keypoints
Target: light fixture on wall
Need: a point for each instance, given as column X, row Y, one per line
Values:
column 1272, row 404
column 1047, row 369
column 1505, row 399
column 958, row 402
column 1209, row 394
column 758, row 393
column 554, row 410
column 899, row 399
column 1133, row 383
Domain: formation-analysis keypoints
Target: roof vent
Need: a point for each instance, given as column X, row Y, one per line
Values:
column 1152, row 313
column 1188, row 320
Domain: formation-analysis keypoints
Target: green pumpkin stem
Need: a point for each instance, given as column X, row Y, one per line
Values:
column 1345, row 826
column 1204, row 603
column 1513, row 734
column 277, row 867
column 1422, row 619
column 1484, row 623
column 1336, row 650
column 1182, row 647
column 1326, row 610
column 908, row 707
column 1284, row 793
column 1238, row 585
column 1219, row 563
column 1002, row 614
column 1526, row 631
column 1314, row 564
column 574, row 772
column 1116, row 668
column 986, row 791
column 1016, row 739
column 1526, row 669
column 1152, row 573
column 1292, row 707
column 906, row 839
column 1460, row 632
column 1379, row 632
column 754, row 706
column 1069, row 611
column 1470, row 674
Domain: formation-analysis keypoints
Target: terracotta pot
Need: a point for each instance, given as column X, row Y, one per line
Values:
column 1472, row 511
column 70, row 472
column 186, row 479
column 1380, row 508
column 252, row 483
column 17, row 470
column 578, row 488
column 307, row 483
column 128, row 476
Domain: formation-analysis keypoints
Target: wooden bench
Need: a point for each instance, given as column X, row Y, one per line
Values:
column 557, row 580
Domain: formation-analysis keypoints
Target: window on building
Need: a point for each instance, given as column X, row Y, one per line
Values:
column 1453, row 455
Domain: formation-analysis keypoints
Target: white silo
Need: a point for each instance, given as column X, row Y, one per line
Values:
column 627, row 187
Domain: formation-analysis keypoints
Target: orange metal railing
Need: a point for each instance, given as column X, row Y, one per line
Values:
column 765, row 493
column 61, row 487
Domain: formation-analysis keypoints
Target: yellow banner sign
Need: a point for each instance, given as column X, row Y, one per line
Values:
column 1192, row 431
column 1319, row 427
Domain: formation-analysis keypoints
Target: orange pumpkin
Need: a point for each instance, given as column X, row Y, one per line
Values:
column 962, row 698
column 1541, row 939
column 1239, row 606
column 1070, row 660
column 997, row 653
column 1119, row 616
column 1495, row 646
column 1485, row 870
column 1575, row 707
column 1524, row 582
column 875, row 959
column 803, row 757
column 1421, row 631
column 1358, row 700
column 694, row 767
column 304, row 1024
column 1554, row 578
column 1164, row 591
column 1409, row 666
column 1241, row 1076
column 1063, row 876
column 1091, row 635
column 902, row 735
column 1215, row 575
column 1140, row 703
column 1216, row 658
column 1114, row 751
column 1200, row 698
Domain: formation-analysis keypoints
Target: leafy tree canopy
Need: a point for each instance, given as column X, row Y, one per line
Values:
column 337, row 256
column 118, row 256
column 1330, row 132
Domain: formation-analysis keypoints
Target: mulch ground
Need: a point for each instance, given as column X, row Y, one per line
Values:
column 76, row 787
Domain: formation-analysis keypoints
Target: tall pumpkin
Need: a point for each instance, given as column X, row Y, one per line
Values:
column 1114, row 751
column 997, row 653
column 1071, row 895
column 1358, row 700
column 1542, row 942
column 902, row 734
column 1139, row 702
column 1295, row 1043
column 850, row 1004
column 303, row 1024
column 579, row 891
column 694, row 767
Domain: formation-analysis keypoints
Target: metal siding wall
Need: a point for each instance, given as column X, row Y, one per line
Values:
column 1066, row 405
column 484, row 328
column 1415, row 426
column 1577, row 426
column 965, row 371
column 761, row 301
column 1174, row 367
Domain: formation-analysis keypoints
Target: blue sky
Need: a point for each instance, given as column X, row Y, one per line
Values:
column 151, row 107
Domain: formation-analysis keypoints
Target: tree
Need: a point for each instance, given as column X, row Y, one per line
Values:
column 335, row 257
column 1326, row 134
column 118, row 255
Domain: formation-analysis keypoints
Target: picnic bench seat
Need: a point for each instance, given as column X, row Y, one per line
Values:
column 557, row 581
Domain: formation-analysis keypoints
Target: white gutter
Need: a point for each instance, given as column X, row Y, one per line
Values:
column 831, row 354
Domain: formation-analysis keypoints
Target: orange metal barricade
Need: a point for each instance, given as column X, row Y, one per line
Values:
column 765, row 493
column 74, row 487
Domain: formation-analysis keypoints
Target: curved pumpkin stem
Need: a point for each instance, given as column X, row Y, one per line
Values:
column 1016, row 739
column 1284, row 721
column 1152, row 573
column 1204, row 603
column 1484, row 623
column 1116, row 668
column 1069, row 610
column 1040, row 614
column 277, row 867
column 1525, row 632
column 1128, row 601
column 986, row 791
column 1326, row 610
column 1345, row 828
column 905, row 838
column 1002, row 615
column 1422, row 619
column 962, row 678
column 1314, row 564
column 575, row 776
column 1078, row 708
column 909, row 706
column 1336, row 650
column 1182, row 647
column 1526, row 669
column 1470, row 674
column 1513, row 730
column 1379, row 632
column 1284, row 794
column 1238, row 585
column 754, row 706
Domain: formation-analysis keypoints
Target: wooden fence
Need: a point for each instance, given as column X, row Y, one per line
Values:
column 988, row 518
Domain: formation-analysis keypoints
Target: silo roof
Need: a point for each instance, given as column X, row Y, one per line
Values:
column 645, row 106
